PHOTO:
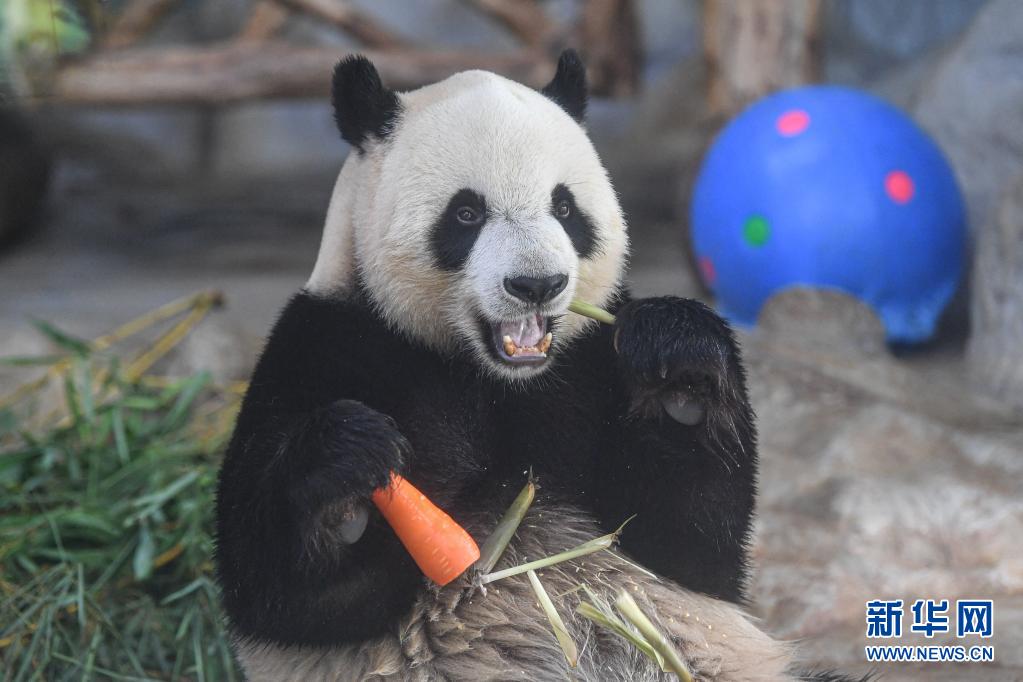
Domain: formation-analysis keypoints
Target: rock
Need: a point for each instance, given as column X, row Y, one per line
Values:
column 972, row 104
column 864, row 497
column 995, row 349
column 865, row 37
column 218, row 346
column 826, row 318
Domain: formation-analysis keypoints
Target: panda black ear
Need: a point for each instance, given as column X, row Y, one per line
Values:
column 362, row 105
column 568, row 87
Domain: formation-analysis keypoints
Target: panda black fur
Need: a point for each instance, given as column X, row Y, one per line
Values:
column 391, row 358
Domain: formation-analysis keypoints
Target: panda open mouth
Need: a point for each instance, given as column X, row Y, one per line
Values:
column 522, row 341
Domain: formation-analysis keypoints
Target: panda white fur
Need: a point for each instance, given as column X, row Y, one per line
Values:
column 433, row 339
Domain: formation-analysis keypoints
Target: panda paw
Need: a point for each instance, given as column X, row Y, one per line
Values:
column 676, row 355
column 344, row 452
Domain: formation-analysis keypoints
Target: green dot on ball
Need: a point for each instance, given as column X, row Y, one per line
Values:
column 756, row 230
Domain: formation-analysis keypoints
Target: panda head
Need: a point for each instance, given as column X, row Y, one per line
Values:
column 471, row 212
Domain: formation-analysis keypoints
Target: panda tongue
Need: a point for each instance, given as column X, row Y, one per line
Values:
column 524, row 333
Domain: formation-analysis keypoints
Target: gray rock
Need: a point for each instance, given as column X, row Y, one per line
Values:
column 218, row 346
column 863, row 38
column 972, row 104
column 824, row 317
column 995, row 349
column 863, row 496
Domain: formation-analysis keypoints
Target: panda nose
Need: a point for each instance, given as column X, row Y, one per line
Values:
column 535, row 289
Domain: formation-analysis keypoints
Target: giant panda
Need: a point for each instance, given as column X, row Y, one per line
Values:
column 433, row 339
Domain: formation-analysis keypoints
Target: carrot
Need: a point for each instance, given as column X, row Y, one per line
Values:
column 441, row 548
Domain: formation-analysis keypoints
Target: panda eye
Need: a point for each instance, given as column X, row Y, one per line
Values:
column 468, row 216
column 563, row 209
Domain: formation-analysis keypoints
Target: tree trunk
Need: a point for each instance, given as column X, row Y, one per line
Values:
column 611, row 46
column 754, row 47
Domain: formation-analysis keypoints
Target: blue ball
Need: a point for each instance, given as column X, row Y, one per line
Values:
column 830, row 187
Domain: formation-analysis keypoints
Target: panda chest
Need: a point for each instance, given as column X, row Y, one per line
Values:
column 462, row 432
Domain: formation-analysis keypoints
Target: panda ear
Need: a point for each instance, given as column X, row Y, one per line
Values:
column 568, row 87
column 362, row 105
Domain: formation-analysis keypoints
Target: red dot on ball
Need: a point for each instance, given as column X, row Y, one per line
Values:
column 899, row 186
column 707, row 270
column 792, row 122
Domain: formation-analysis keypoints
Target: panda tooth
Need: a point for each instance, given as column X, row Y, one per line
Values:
column 545, row 343
column 509, row 345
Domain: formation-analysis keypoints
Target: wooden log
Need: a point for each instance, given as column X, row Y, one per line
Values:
column 995, row 347
column 525, row 19
column 611, row 47
column 244, row 70
column 268, row 17
column 364, row 28
column 753, row 48
column 137, row 18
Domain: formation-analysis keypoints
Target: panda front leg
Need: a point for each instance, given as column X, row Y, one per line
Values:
column 682, row 457
column 297, row 565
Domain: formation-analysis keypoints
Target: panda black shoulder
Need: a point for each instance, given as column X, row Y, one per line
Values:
column 317, row 345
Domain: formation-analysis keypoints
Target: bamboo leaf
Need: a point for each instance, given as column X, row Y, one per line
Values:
column 601, row 613
column 31, row 360
column 628, row 607
column 184, row 591
column 142, row 563
column 62, row 339
column 560, row 631
column 498, row 541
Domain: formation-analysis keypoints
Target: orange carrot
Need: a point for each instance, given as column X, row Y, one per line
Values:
column 441, row 548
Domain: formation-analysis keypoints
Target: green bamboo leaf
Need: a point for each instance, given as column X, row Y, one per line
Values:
column 560, row 631
column 493, row 548
column 120, row 435
column 628, row 607
column 8, row 421
column 161, row 496
column 78, row 518
column 142, row 563
column 184, row 591
column 64, row 340
column 140, row 402
column 601, row 613
column 31, row 360
column 187, row 395
column 83, row 376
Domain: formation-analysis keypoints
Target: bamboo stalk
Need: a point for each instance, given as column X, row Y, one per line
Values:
column 591, row 311
column 589, row 547
column 100, row 343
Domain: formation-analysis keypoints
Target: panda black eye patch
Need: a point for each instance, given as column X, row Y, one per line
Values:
column 577, row 225
column 457, row 228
